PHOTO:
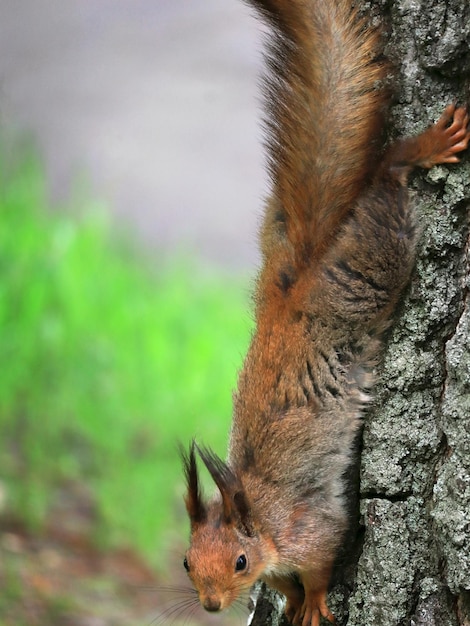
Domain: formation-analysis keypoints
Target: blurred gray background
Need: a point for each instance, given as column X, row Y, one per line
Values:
column 155, row 103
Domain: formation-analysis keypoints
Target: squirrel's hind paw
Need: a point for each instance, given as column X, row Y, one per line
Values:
column 449, row 135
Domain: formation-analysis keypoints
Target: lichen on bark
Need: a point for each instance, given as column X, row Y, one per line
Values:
column 414, row 559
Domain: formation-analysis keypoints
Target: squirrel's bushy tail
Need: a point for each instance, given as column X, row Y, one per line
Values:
column 325, row 107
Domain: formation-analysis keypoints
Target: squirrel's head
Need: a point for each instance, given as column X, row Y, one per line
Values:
column 227, row 554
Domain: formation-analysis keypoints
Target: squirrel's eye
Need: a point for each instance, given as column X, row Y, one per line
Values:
column 241, row 563
column 186, row 565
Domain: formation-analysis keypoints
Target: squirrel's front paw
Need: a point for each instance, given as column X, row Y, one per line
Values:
column 294, row 607
column 313, row 607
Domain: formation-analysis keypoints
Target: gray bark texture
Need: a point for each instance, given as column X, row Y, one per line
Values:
column 412, row 559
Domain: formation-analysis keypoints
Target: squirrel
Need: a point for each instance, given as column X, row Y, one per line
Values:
column 338, row 245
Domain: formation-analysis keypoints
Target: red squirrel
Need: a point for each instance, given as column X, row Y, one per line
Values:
column 338, row 244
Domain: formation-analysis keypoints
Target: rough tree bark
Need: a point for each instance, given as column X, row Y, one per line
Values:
column 413, row 559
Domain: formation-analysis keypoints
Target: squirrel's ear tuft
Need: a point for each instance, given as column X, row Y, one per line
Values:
column 223, row 477
column 194, row 504
column 234, row 502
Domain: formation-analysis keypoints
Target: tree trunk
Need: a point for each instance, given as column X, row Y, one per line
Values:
column 413, row 559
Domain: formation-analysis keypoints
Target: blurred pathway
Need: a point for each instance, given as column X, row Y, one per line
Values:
column 155, row 102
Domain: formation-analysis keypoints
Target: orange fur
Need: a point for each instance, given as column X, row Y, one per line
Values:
column 338, row 248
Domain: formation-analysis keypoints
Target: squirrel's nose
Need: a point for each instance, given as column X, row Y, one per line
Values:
column 211, row 604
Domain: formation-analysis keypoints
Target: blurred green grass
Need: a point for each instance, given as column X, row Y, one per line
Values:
column 108, row 359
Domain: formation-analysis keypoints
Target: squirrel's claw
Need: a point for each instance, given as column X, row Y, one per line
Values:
column 313, row 607
column 450, row 134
